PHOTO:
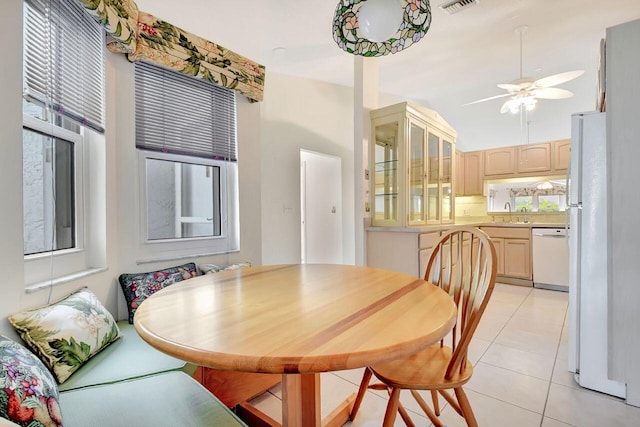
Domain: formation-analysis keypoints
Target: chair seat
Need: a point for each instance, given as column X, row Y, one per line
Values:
column 422, row 371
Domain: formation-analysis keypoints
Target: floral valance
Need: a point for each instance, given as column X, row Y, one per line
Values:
column 143, row 37
column 119, row 19
column 165, row 44
column 532, row 191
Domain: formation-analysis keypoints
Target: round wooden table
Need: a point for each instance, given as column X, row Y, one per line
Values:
column 296, row 319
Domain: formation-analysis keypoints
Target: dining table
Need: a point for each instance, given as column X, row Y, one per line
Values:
column 297, row 320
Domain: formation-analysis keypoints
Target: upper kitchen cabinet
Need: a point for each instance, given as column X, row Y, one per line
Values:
column 413, row 160
column 545, row 159
column 534, row 158
column 473, row 173
column 500, row 161
column 561, row 150
column 460, row 173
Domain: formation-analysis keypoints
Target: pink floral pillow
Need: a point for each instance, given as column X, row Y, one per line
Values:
column 28, row 391
column 140, row 286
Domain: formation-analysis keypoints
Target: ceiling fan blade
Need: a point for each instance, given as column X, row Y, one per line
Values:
column 509, row 86
column 557, row 79
column 552, row 93
column 487, row 99
column 517, row 84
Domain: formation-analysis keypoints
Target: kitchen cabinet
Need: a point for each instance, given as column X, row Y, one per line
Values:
column 498, row 243
column 517, row 258
column 404, row 251
column 427, row 242
column 413, row 159
column 460, row 172
column 473, row 173
column 513, row 250
column 500, row 161
column 561, row 155
column 534, row 158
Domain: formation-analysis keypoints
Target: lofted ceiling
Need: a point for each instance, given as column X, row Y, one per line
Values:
column 461, row 59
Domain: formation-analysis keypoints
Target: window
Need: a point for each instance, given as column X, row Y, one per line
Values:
column 48, row 193
column 543, row 194
column 186, row 136
column 550, row 203
column 523, row 202
column 63, row 121
column 195, row 192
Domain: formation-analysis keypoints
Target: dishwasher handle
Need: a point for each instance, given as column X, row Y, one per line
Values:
column 553, row 236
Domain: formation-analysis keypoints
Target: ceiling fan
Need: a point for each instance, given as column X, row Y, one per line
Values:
column 524, row 92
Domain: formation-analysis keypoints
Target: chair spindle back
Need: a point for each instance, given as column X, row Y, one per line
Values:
column 464, row 265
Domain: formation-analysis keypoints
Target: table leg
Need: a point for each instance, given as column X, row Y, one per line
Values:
column 301, row 403
column 301, row 400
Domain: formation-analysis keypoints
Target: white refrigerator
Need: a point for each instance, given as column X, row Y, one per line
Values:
column 587, row 212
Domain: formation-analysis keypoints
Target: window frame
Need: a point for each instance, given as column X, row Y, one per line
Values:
column 177, row 248
column 41, row 266
column 89, row 252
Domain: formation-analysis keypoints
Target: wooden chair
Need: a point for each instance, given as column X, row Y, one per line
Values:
column 463, row 264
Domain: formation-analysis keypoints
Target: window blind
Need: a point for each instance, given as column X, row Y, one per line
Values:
column 64, row 60
column 179, row 114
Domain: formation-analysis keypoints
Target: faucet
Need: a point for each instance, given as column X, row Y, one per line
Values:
column 526, row 218
column 508, row 205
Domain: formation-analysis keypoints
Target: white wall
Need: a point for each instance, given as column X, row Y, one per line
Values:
column 301, row 114
column 623, row 143
column 121, row 240
column 10, row 159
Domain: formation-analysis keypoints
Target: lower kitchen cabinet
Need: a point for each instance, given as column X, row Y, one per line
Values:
column 517, row 258
column 408, row 251
column 513, row 250
column 427, row 242
column 498, row 243
column 404, row 251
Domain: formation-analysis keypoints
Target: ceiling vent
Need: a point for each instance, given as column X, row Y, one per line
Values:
column 456, row 6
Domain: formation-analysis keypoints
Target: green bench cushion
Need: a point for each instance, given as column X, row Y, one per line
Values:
column 167, row 399
column 126, row 358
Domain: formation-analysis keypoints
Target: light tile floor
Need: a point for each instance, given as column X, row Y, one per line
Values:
column 520, row 379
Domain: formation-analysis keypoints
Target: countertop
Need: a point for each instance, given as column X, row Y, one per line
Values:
column 439, row 227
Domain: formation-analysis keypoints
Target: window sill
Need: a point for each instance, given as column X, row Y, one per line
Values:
column 180, row 257
column 64, row 279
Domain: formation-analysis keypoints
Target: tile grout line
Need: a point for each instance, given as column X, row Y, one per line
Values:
column 553, row 369
column 554, row 360
column 493, row 342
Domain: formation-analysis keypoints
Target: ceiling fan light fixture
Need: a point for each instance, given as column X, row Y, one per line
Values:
column 529, row 103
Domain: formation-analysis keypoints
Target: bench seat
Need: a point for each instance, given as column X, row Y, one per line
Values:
column 166, row 399
column 126, row 358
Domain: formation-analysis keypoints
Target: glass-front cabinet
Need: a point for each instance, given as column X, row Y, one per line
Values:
column 386, row 164
column 412, row 157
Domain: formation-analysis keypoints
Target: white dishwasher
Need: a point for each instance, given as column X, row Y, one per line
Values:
column 550, row 259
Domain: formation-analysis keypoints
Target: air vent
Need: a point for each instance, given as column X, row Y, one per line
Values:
column 456, row 6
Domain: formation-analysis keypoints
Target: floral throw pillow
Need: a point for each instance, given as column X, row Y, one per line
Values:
column 140, row 286
column 66, row 334
column 28, row 392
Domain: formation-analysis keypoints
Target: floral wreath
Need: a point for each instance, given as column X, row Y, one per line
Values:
column 416, row 20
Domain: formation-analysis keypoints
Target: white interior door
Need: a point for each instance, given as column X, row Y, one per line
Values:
column 321, row 208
